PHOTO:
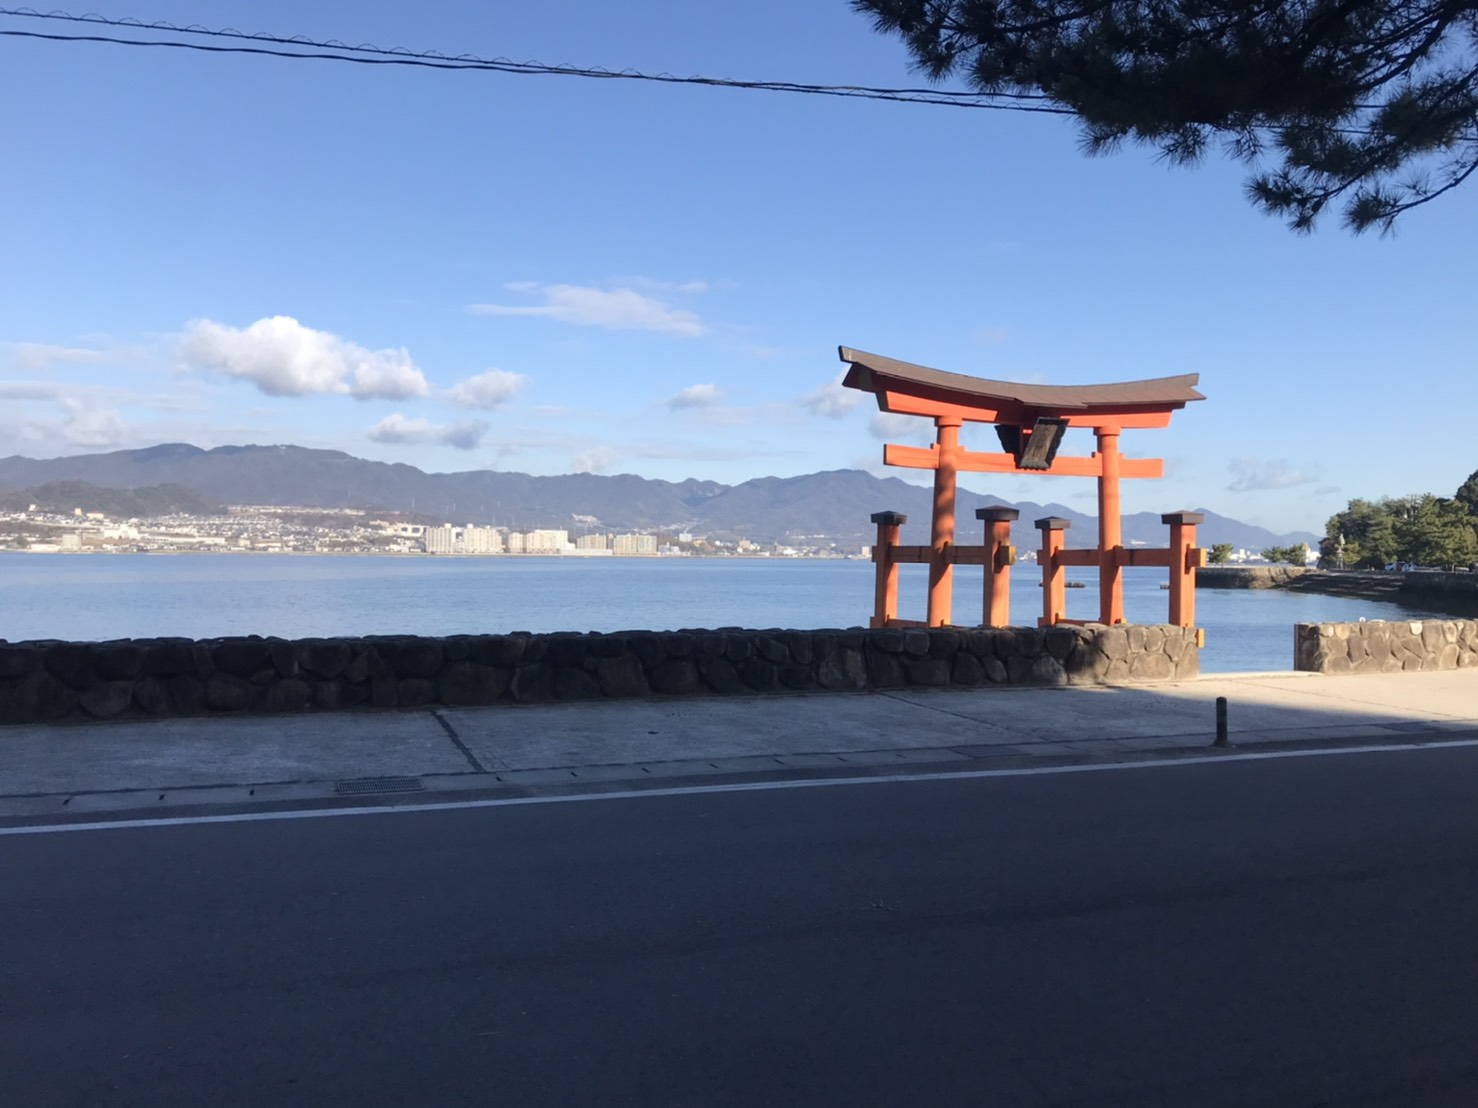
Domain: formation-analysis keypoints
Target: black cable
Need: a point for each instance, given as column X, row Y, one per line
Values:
column 367, row 54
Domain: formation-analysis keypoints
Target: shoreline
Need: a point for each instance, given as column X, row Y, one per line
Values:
column 1452, row 594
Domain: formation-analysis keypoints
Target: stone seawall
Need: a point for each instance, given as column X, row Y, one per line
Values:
column 1247, row 577
column 1378, row 646
column 1455, row 594
column 41, row 681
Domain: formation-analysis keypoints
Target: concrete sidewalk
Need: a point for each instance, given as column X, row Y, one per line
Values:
column 175, row 764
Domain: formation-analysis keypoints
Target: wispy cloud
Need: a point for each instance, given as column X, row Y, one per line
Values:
column 892, row 425
column 1326, row 490
column 396, row 428
column 615, row 309
column 1259, row 475
column 31, row 356
column 596, row 459
column 652, row 284
column 85, row 425
column 695, row 396
column 282, row 357
column 990, row 336
column 831, row 400
column 487, row 390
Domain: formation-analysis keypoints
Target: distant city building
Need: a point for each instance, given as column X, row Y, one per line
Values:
column 441, row 540
column 593, row 542
column 515, row 542
column 685, row 536
column 481, row 540
column 634, row 544
column 546, row 542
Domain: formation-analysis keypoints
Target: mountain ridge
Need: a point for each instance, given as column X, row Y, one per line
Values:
column 831, row 506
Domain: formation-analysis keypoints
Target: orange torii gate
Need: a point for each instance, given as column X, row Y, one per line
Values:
column 1030, row 421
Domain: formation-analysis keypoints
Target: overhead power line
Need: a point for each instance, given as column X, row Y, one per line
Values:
column 302, row 48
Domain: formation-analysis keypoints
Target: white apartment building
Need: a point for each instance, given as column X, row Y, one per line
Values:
column 481, row 540
column 634, row 544
column 546, row 542
column 441, row 540
column 515, row 542
column 593, row 542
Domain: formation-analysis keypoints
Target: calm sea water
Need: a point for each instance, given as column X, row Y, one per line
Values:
column 108, row 596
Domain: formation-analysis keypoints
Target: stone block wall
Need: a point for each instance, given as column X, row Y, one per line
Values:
column 41, row 681
column 1378, row 646
column 1247, row 577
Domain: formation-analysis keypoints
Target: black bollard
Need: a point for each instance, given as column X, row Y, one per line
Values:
column 1221, row 722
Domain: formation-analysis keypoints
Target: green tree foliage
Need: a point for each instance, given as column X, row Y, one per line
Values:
column 1467, row 494
column 1292, row 555
column 1221, row 553
column 1423, row 530
column 1368, row 105
column 1435, row 532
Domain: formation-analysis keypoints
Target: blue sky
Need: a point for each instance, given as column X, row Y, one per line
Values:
column 547, row 274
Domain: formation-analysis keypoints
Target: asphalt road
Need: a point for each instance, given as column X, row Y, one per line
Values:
column 1293, row 932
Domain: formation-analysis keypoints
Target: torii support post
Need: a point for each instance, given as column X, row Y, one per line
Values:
column 1185, row 558
column 885, row 601
column 1110, row 529
column 999, row 557
column 942, row 532
column 1054, row 579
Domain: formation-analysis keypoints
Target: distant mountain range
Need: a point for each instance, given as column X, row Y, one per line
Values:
column 813, row 509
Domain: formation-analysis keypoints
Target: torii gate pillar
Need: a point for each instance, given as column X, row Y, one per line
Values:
column 1110, row 529
column 942, row 536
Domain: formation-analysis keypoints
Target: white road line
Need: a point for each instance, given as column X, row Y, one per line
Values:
column 741, row 787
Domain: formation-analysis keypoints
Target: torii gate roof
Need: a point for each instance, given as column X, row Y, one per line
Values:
column 995, row 399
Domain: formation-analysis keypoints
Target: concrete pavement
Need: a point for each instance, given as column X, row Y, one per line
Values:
column 174, row 764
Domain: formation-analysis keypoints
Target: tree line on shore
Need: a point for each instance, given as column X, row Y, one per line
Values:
column 1423, row 530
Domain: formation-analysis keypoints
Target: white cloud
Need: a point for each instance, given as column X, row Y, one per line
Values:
column 89, row 426
column 1253, row 475
column 396, row 428
column 695, row 396
column 597, row 459
column 284, row 358
column 618, row 309
column 487, row 390
column 892, row 425
column 652, row 284
column 31, row 390
column 30, row 356
column 831, row 400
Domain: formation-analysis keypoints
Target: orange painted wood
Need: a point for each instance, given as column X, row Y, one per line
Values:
column 942, row 531
column 1110, row 530
column 997, row 606
column 1054, row 580
column 1157, row 557
column 968, row 555
column 975, row 461
column 1182, row 574
column 885, row 589
column 913, row 555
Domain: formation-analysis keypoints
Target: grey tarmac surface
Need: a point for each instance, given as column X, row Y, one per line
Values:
column 170, row 766
column 1292, row 932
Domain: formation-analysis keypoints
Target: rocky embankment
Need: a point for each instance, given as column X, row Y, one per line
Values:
column 42, row 681
column 1451, row 593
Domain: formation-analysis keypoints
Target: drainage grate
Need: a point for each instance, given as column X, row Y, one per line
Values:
column 363, row 785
